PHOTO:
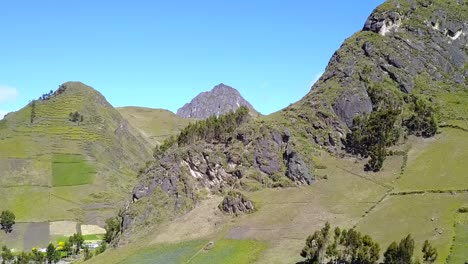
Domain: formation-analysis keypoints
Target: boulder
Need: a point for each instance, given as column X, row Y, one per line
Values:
column 235, row 203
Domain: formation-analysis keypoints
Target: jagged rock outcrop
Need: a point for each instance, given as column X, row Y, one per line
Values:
column 235, row 203
column 220, row 100
column 266, row 155
column 416, row 47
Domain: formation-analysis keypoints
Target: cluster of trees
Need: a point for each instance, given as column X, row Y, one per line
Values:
column 422, row 121
column 46, row 96
column 213, row 128
column 75, row 117
column 351, row 247
column 210, row 129
column 403, row 252
column 73, row 246
column 373, row 133
column 340, row 246
column 7, row 220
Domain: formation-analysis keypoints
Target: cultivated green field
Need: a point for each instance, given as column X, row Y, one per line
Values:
column 439, row 166
column 460, row 244
column 194, row 252
column 71, row 169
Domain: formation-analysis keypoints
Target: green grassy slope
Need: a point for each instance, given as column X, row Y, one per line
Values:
column 55, row 169
column 155, row 124
column 348, row 197
column 419, row 189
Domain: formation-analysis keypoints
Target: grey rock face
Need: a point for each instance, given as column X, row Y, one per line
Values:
column 407, row 46
column 221, row 100
column 297, row 170
column 216, row 167
column 352, row 103
column 235, row 203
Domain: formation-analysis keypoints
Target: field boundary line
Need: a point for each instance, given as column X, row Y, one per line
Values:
column 403, row 193
column 196, row 254
column 365, row 178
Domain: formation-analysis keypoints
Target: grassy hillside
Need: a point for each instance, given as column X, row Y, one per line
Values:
column 56, row 169
column 345, row 196
column 154, row 124
column 401, row 73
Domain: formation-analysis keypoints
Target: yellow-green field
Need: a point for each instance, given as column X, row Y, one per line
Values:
column 155, row 124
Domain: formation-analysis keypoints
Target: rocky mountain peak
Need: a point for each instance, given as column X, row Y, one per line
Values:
column 220, row 100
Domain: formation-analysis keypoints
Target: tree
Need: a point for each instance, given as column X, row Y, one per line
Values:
column 68, row 247
column 429, row 252
column 87, row 254
column 37, row 256
column 52, row 255
column 422, row 122
column 7, row 220
column 7, row 256
column 33, row 111
column 76, row 241
column 372, row 133
column 112, row 229
column 406, row 249
column 23, row 258
column 102, row 248
column 75, row 117
column 346, row 247
column 316, row 245
column 401, row 253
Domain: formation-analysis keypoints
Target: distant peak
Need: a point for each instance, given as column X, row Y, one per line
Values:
column 220, row 100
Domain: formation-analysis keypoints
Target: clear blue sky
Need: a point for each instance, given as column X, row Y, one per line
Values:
column 161, row 54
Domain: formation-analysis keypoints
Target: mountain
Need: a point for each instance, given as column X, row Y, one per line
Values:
column 220, row 100
column 405, row 47
column 377, row 145
column 67, row 156
column 154, row 124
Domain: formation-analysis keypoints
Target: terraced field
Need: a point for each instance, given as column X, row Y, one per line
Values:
column 53, row 169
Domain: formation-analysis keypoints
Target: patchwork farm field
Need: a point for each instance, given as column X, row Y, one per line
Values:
column 194, row 251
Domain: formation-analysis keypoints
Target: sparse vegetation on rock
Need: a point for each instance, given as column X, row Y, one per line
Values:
column 112, row 229
column 236, row 203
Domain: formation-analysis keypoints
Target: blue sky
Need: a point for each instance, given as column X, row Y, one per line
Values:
column 161, row 54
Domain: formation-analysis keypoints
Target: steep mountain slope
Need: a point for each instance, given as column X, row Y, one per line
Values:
column 154, row 124
column 220, row 100
column 68, row 156
column 405, row 72
column 405, row 47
